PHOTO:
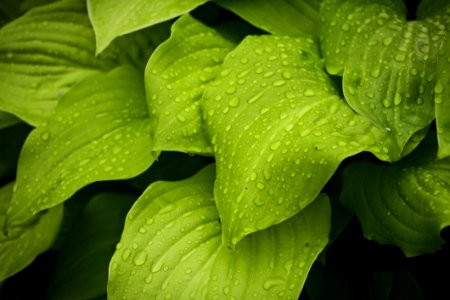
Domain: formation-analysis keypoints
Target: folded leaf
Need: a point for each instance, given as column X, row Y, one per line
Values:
column 388, row 64
column 81, row 271
column 442, row 98
column 176, row 76
column 284, row 17
column 171, row 248
column 111, row 19
column 279, row 131
column 405, row 204
column 25, row 241
column 100, row 130
column 42, row 54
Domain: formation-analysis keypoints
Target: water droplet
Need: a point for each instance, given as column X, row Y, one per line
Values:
column 286, row 75
column 439, row 87
column 231, row 90
column 345, row 27
column 278, row 83
column 387, row 41
column 397, row 99
column 126, row 254
column 45, row 136
column 400, row 57
column 375, row 73
column 181, row 118
column 309, row 93
column 275, row 145
column 260, row 186
column 386, row 103
column 255, row 98
column 140, row 258
column 149, row 278
column 234, row 102
column 273, row 282
column 253, row 176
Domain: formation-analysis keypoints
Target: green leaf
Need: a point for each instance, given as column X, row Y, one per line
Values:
column 284, row 17
column 42, row 54
column 7, row 120
column 100, row 131
column 111, row 19
column 171, row 248
column 388, row 64
column 405, row 204
column 279, row 131
column 442, row 99
column 27, row 240
column 176, row 76
column 81, row 271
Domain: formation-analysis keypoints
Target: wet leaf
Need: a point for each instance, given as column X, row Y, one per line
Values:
column 23, row 242
column 100, row 131
column 176, row 76
column 171, row 248
column 279, row 131
column 111, row 19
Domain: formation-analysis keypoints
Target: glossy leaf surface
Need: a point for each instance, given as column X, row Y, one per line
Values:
column 171, row 248
column 100, row 131
column 279, row 131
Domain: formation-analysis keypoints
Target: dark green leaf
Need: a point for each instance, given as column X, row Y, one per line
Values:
column 82, row 268
column 442, row 98
column 283, row 17
column 405, row 204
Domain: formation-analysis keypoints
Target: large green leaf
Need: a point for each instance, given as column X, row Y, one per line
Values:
column 283, row 17
column 82, row 268
column 388, row 64
column 176, row 76
column 279, row 131
column 42, row 54
column 25, row 241
column 115, row 18
column 100, row 131
column 405, row 204
column 442, row 98
column 171, row 248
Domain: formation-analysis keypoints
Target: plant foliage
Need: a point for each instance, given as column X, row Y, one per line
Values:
column 250, row 133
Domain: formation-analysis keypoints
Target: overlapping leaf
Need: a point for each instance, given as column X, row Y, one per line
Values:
column 7, row 120
column 24, row 241
column 100, row 131
column 442, row 98
column 283, row 17
column 115, row 18
column 279, row 131
column 42, row 54
column 388, row 64
column 406, row 204
column 171, row 248
column 51, row 48
column 176, row 76
column 82, row 268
